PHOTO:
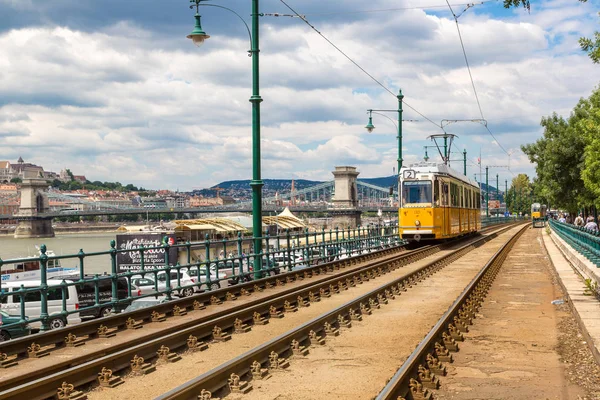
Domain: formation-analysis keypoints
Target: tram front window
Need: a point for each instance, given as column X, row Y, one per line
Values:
column 416, row 192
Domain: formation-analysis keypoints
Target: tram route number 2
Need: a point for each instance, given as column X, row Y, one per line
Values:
column 410, row 174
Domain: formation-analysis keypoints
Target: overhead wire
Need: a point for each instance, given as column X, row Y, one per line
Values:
column 303, row 18
column 471, row 75
column 397, row 9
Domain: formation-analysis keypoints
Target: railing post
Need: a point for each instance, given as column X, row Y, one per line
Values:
column 165, row 245
column 113, row 275
column 337, row 242
column 315, row 245
column 289, row 250
column 306, row 245
column 323, row 244
column 268, row 253
column 81, row 256
column 63, row 289
column 207, row 261
column 43, row 289
column 240, row 252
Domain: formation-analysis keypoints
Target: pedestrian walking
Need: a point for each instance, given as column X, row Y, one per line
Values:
column 562, row 219
column 579, row 220
column 591, row 225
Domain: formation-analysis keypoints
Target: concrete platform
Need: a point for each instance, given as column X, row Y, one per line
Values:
column 572, row 269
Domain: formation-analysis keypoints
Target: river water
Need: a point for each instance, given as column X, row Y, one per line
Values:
column 11, row 248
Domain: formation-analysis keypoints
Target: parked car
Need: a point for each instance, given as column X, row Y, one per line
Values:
column 11, row 304
column 86, row 292
column 145, row 302
column 231, row 269
column 267, row 263
column 12, row 332
column 150, row 282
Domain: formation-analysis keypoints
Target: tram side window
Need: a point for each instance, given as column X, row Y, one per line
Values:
column 445, row 194
column 418, row 192
column 436, row 192
column 470, row 197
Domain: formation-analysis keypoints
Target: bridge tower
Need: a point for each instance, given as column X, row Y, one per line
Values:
column 346, row 213
column 34, row 201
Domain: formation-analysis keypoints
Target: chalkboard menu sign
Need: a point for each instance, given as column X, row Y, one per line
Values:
column 132, row 260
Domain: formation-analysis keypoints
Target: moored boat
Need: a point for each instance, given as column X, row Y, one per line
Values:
column 30, row 270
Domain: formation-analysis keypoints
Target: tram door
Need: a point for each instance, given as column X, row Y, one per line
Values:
column 445, row 210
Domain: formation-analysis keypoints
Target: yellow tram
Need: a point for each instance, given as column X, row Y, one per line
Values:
column 538, row 215
column 437, row 203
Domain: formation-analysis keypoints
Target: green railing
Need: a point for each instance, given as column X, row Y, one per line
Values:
column 289, row 251
column 586, row 242
column 489, row 221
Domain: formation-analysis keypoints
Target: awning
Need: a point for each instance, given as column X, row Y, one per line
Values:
column 214, row 224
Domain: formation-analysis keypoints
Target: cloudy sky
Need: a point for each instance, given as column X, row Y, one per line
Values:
column 115, row 91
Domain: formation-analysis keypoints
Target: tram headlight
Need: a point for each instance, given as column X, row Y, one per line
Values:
column 417, row 222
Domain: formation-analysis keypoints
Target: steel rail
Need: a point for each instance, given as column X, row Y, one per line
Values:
column 202, row 328
column 272, row 352
column 44, row 383
column 18, row 347
column 400, row 386
column 119, row 321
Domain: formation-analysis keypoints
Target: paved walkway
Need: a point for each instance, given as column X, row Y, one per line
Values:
column 573, row 269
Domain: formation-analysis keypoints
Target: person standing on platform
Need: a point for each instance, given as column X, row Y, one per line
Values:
column 579, row 220
column 591, row 225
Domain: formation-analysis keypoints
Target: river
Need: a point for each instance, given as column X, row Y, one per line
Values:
column 63, row 244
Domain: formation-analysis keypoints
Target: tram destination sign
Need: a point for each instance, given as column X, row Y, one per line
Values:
column 131, row 260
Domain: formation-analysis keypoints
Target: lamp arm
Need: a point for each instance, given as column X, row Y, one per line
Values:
column 383, row 115
column 238, row 15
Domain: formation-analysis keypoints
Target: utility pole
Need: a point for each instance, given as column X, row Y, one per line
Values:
column 497, row 197
column 487, row 194
column 506, row 194
column 465, row 162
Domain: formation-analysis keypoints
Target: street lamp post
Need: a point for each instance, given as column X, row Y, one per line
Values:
column 370, row 125
column 198, row 36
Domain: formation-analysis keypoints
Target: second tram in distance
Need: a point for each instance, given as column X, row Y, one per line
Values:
column 437, row 203
column 538, row 215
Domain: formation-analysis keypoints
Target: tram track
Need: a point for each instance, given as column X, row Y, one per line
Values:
column 43, row 383
column 417, row 373
column 271, row 354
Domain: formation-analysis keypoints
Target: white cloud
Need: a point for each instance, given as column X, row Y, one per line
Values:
column 136, row 106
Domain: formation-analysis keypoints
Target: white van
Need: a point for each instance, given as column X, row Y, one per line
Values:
column 33, row 303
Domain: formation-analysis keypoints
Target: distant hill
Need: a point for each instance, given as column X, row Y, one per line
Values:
column 241, row 190
column 383, row 182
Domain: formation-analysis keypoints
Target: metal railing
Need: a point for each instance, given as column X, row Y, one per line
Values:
column 584, row 241
column 281, row 252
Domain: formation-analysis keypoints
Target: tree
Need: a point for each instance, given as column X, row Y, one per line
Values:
column 520, row 195
column 75, row 185
column 567, row 157
column 590, row 46
column 16, row 180
column 589, row 127
column 70, row 174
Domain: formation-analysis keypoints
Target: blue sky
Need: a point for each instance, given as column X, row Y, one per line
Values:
column 115, row 91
